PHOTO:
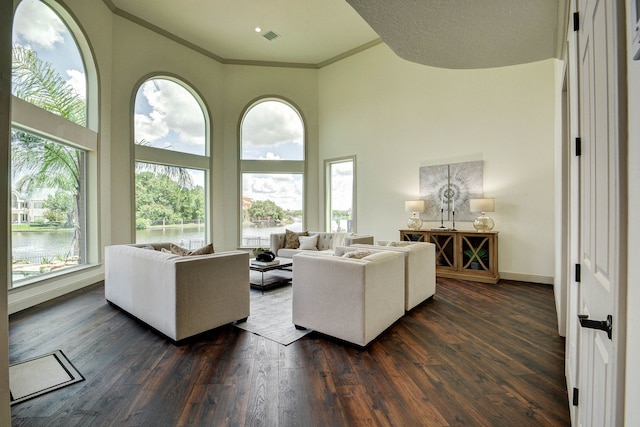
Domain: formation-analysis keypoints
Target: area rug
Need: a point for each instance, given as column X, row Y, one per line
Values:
column 40, row 375
column 271, row 316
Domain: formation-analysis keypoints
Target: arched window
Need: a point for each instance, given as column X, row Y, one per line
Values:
column 171, row 189
column 53, row 156
column 272, row 153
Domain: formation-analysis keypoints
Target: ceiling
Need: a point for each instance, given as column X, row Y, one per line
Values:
column 313, row 33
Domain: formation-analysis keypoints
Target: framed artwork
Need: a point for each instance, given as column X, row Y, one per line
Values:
column 449, row 187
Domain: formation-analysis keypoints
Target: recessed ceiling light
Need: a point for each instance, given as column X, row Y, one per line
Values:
column 258, row 30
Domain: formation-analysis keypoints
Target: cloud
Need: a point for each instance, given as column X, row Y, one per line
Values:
column 283, row 189
column 78, row 82
column 150, row 128
column 270, row 156
column 272, row 123
column 36, row 24
column 174, row 108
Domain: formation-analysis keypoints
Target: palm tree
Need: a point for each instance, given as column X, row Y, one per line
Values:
column 39, row 162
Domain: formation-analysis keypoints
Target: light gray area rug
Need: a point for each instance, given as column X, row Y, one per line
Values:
column 40, row 375
column 271, row 316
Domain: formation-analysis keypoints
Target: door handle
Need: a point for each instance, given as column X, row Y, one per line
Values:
column 601, row 325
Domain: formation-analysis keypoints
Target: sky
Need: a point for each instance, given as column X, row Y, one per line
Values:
column 37, row 27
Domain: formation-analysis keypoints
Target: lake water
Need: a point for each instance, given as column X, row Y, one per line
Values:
column 36, row 245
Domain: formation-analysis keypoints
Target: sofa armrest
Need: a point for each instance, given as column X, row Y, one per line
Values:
column 351, row 299
column 358, row 239
column 211, row 290
column 276, row 242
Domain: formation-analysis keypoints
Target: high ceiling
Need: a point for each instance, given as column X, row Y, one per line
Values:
column 312, row 33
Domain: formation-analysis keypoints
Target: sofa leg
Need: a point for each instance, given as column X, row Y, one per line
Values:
column 241, row 320
column 300, row 328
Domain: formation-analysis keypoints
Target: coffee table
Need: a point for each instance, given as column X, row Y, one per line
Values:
column 269, row 282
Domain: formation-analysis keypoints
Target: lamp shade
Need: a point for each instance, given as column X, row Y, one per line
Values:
column 414, row 206
column 482, row 205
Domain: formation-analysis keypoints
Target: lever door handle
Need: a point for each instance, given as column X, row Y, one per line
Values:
column 601, row 325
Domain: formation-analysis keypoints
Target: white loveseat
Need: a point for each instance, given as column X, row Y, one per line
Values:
column 354, row 300
column 325, row 244
column 420, row 268
column 179, row 296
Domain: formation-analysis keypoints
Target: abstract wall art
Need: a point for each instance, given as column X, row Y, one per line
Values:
column 449, row 187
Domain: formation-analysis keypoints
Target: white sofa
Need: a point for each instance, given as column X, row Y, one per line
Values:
column 354, row 300
column 326, row 243
column 420, row 268
column 179, row 296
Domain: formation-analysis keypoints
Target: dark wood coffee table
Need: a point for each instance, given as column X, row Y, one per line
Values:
column 276, row 280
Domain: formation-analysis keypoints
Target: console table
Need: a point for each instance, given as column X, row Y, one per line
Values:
column 461, row 254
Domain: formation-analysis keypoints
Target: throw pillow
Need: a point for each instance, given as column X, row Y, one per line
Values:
column 203, row 250
column 149, row 247
column 357, row 254
column 175, row 249
column 291, row 239
column 165, row 250
column 308, row 243
column 399, row 244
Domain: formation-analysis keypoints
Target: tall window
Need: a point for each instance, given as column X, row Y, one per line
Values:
column 171, row 188
column 272, row 153
column 51, row 156
column 340, row 194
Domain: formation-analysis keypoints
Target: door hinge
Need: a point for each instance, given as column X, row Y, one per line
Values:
column 575, row 396
column 577, row 273
column 576, row 21
column 578, row 146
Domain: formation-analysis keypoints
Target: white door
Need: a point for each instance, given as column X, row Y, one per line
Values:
column 601, row 237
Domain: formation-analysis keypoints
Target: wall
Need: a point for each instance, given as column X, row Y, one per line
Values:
column 396, row 116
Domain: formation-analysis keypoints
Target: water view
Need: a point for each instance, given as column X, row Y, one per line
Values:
column 34, row 248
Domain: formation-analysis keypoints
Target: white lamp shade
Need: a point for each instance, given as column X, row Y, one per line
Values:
column 414, row 206
column 482, row 205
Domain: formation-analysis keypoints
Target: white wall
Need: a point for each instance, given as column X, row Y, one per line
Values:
column 396, row 116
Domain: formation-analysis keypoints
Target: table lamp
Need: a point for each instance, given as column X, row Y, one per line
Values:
column 415, row 206
column 483, row 222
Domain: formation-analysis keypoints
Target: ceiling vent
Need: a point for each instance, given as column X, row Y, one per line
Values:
column 270, row 35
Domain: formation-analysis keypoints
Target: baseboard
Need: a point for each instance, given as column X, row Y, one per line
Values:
column 533, row 278
column 28, row 296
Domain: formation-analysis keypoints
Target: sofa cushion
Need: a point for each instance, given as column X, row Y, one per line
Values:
column 357, row 254
column 178, row 250
column 399, row 244
column 292, row 240
column 308, row 243
column 208, row 249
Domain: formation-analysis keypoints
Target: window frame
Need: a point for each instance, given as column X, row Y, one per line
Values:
column 161, row 156
column 270, row 166
column 39, row 122
column 328, row 163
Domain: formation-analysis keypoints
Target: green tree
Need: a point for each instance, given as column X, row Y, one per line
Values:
column 262, row 211
column 42, row 163
column 59, row 208
column 161, row 198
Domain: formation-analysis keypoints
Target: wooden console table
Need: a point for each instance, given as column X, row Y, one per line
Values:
column 461, row 254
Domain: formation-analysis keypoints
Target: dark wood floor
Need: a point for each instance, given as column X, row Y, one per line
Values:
column 475, row 355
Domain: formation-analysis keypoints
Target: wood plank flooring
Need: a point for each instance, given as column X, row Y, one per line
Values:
column 474, row 355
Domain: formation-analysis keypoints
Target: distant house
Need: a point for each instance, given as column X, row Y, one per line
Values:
column 26, row 209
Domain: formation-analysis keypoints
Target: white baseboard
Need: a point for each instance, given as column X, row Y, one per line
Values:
column 533, row 278
column 30, row 295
